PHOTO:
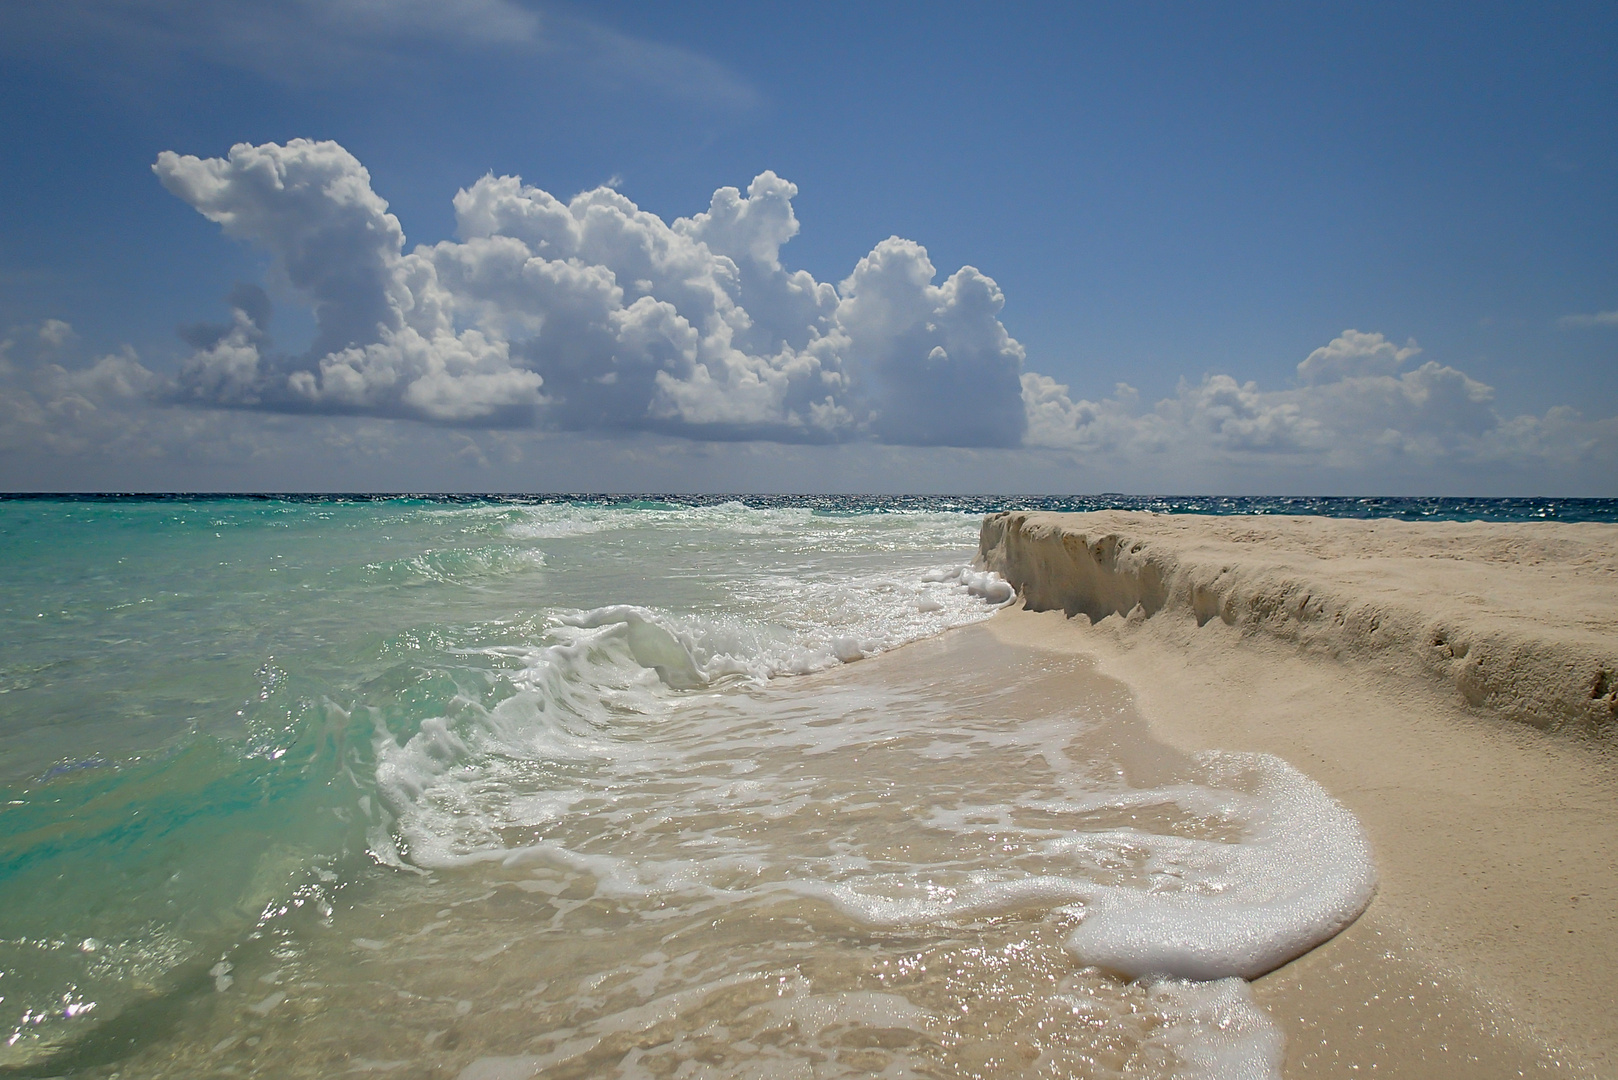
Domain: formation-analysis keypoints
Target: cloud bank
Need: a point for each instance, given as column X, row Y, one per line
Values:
column 1359, row 404
column 594, row 314
column 590, row 344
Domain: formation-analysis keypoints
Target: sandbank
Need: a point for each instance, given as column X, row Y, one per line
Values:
column 1453, row 684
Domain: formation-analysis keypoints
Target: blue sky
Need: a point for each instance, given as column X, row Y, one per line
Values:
column 1199, row 203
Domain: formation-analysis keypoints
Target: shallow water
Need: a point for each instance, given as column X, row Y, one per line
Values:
column 506, row 789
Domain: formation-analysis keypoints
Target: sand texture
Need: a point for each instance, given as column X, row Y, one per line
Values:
column 1392, row 662
column 1520, row 619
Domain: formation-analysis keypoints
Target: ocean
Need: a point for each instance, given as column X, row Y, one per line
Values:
column 501, row 787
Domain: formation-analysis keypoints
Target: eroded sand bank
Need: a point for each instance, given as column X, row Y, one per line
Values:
column 1393, row 663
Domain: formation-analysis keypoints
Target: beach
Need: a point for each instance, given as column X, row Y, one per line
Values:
column 499, row 787
column 496, row 788
column 1452, row 685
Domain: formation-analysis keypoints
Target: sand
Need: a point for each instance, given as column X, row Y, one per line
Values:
column 1453, row 685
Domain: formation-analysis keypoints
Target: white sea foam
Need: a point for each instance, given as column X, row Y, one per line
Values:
column 600, row 668
column 984, row 583
column 1297, row 873
column 1301, row 871
column 1216, row 1030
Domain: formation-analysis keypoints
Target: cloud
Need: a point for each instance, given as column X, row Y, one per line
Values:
column 285, row 40
column 311, row 207
column 48, row 408
column 110, row 423
column 55, row 333
column 1356, row 408
column 591, row 314
column 87, row 422
column 1354, row 354
column 297, row 42
column 71, row 421
column 623, row 61
column 941, row 368
column 1599, row 318
column 384, row 342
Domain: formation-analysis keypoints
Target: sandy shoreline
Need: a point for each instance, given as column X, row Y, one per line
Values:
column 1387, row 660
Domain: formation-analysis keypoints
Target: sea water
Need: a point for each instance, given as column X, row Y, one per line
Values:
column 499, row 788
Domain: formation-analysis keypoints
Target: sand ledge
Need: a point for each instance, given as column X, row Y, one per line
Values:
column 1485, row 952
column 1515, row 618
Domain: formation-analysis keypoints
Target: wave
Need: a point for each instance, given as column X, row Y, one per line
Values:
column 419, row 767
column 468, row 566
column 580, row 696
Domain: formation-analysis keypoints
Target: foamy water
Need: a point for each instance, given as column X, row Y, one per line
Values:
column 501, row 789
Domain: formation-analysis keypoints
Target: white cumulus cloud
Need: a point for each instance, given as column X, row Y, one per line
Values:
column 591, row 314
column 49, row 408
column 594, row 314
column 1357, row 403
column 1354, row 354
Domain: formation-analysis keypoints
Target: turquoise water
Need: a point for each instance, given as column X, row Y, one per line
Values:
column 240, row 735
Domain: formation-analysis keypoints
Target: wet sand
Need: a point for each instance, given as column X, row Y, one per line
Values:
column 1488, row 950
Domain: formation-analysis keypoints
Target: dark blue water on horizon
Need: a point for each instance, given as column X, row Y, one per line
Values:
column 1402, row 508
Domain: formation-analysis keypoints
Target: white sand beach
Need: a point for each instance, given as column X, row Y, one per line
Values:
column 1453, row 684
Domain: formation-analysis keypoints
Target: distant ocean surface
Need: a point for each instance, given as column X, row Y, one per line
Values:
column 1433, row 508
column 499, row 786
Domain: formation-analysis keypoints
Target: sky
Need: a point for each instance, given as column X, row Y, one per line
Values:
column 506, row 245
